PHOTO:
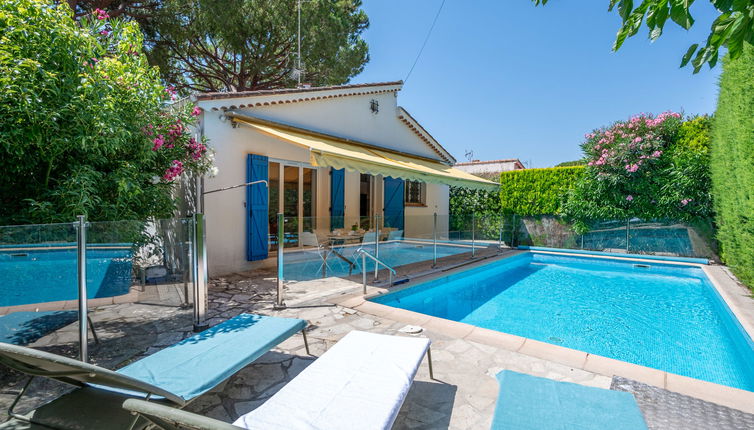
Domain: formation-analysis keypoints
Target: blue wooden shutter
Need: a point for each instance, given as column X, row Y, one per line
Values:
column 337, row 198
column 394, row 207
column 257, row 223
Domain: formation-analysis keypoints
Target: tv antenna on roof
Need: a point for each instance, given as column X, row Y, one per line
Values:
column 469, row 155
column 298, row 71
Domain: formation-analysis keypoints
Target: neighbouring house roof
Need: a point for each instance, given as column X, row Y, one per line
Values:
column 515, row 161
column 260, row 98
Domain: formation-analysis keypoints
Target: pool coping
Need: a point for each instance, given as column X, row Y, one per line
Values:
column 733, row 294
column 62, row 305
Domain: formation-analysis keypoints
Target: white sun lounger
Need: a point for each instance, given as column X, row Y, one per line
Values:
column 361, row 382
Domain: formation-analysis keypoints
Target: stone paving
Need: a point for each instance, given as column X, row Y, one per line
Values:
column 462, row 396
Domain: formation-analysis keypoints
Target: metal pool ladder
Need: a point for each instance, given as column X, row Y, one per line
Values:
column 364, row 255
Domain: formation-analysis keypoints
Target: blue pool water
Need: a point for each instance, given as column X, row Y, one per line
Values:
column 307, row 265
column 662, row 316
column 37, row 276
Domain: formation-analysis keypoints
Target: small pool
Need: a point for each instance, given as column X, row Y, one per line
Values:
column 49, row 275
column 663, row 316
column 307, row 265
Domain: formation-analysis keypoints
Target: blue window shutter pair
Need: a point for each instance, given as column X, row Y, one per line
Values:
column 337, row 198
column 257, row 200
column 394, row 207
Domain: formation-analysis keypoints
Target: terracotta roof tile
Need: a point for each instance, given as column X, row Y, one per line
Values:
column 279, row 91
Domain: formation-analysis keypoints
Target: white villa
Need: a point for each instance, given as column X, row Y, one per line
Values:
column 337, row 155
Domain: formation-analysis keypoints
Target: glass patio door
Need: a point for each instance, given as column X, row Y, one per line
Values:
column 292, row 193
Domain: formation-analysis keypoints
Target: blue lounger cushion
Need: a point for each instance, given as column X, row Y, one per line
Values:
column 195, row 365
column 527, row 403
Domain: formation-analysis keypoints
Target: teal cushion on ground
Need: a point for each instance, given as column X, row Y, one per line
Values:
column 22, row 328
column 530, row 403
column 198, row 364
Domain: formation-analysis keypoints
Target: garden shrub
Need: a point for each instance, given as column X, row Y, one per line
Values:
column 647, row 167
column 732, row 165
column 534, row 192
column 84, row 128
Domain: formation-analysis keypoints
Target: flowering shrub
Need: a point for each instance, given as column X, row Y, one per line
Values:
column 640, row 168
column 87, row 126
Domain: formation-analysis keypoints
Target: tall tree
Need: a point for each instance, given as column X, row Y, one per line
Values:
column 237, row 45
column 732, row 29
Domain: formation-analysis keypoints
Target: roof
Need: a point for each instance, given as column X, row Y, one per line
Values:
column 251, row 99
column 424, row 135
column 478, row 162
column 281, row 91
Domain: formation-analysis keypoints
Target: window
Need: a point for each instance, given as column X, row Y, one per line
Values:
column 416, row 193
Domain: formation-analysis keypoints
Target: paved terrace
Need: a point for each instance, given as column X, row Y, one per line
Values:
column 462, row 396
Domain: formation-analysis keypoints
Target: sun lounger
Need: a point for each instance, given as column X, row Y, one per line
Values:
column 177, row 374
column 532, row 403
column 361, row 382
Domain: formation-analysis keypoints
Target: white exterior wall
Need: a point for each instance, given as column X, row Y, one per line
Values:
column 347, row 117
column 420, row 219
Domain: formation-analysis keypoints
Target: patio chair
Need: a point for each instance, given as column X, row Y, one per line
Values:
column 361, row 382
column 395, row 235
column 309, row 239
column 369, row 238
column 176, row 375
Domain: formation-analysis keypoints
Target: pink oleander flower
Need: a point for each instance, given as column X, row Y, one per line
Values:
column 158, row 142
column 656, row 154
column 173, row 171
column 197, row 111
column 101, row 14
column 629, row 197
column 637, row 140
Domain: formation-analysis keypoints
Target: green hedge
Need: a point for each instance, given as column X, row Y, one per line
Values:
column 732, row 159
column 533, row 192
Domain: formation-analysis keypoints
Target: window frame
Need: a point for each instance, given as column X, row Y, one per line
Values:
column 422, row 193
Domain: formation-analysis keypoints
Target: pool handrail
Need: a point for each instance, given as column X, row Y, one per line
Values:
column 364, row 254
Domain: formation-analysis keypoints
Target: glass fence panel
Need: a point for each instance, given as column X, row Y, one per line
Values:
column 38, row 283
column 635, row 236
column 417, row 242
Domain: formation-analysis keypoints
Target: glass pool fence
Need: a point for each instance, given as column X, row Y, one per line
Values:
column 55, row 275
column 397, row 246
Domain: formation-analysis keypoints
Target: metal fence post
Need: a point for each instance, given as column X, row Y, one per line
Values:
column 279, row 303
column 364, row 271
column 434, row 241
column 376, row 245
column 500, row 235
column 81, row 260
column 473, row 235
column 628, row 232
column 200, row 273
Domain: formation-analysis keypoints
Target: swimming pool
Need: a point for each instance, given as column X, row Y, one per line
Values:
column 49, row 275
column 663, row 316
column 307, row 265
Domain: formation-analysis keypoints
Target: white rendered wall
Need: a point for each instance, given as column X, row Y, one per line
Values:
column 347, row 117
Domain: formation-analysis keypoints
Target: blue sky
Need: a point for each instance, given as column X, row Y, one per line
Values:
column 507, row 79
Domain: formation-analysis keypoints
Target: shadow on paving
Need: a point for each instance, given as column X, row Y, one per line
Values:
column 122, row 340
